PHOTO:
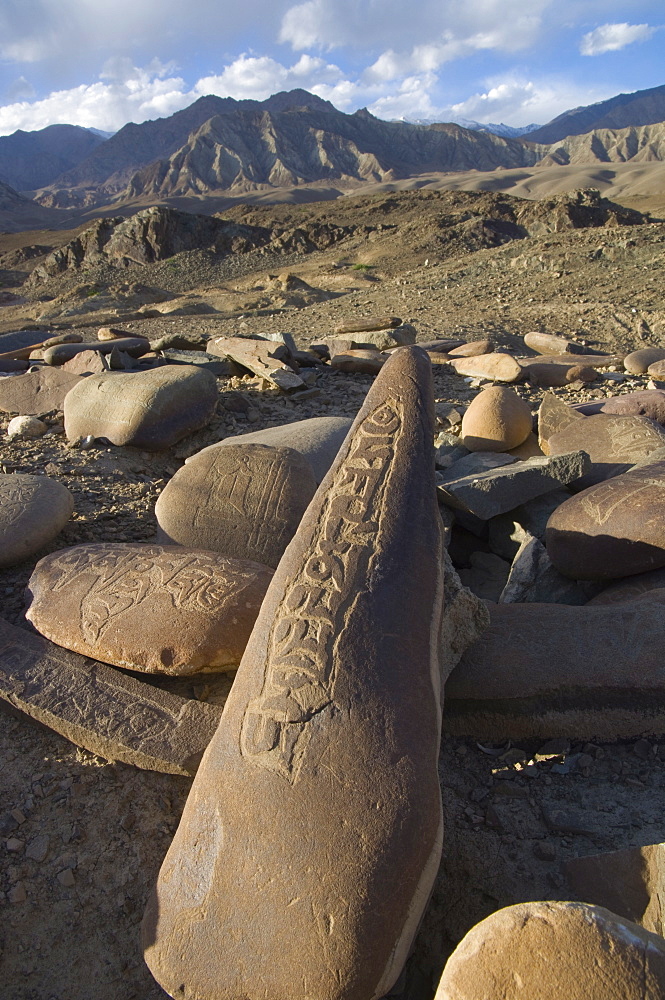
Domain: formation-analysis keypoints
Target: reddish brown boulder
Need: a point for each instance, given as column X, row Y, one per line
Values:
column 643, row 403
column 552, row 951
column 639, row 362
column 544, row 670
column 359, row 362
column 611, row 530
column 154, row 608
column 330, row 736
column 550, row 343
column 86, row 363
column 554, row 376
column 472, row 350
column 497, row 367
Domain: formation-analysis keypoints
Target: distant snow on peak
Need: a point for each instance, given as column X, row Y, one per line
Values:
column 506, row 131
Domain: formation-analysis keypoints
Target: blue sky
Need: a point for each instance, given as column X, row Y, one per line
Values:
column 102, row 63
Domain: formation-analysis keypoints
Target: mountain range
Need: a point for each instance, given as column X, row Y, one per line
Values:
column 295, row 139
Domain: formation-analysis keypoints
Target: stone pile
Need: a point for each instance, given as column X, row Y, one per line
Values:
column 310, row 554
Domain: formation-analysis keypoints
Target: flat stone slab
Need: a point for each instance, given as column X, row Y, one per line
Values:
column 364, row 325
column 403, row 335
column 101, row 709
column 36, row 392
column 244, row 501
column 318, row 439
column 545, row 670
column 262, row 357
column 33, row 510
column 201, row 359
column 86, row 363
column 613, row 443
column 630, row 883
column 611, row 530
column 643, row 403
column 152, row 608
column 330, row 736
column 487, row 494
column 495, row 366
column 151, row 410
column 555, row 950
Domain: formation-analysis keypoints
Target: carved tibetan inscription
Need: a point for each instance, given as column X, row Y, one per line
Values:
column 33, row 510
column 300, row 678
column 152, row 608
column 315, row 819
column 611, row 530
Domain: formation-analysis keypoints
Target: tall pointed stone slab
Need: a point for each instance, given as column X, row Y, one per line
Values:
column 312, row 834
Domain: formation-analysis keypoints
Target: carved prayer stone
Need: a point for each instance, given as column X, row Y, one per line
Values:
column 611, row 530
column 318, row 439
column 244, row 501
column 153, row 608
column 552, row 951
column 33, row 510
column 150, row 410
column 36, row 392
column 312, row 834
column 543, row 670
column 613, row 443
column 102, row 709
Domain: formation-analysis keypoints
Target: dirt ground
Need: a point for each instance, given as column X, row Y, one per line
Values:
column 81, row 838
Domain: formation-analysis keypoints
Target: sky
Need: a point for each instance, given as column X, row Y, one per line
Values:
column 103, row 63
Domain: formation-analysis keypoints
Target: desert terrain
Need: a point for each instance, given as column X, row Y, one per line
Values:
column 454, row 256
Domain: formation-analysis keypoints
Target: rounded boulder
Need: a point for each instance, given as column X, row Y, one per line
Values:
column 497, row 420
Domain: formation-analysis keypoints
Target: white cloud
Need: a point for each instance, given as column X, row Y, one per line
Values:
column 612, row 37
column 518, row 101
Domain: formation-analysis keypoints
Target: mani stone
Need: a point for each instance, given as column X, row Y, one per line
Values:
column 150, row 410
column 102, row 709
column 629, row 882
column 33, row 510
column 487, row 494
column 36, row 392
column 549, row 343
column 318, row 439
column 315, row 819
column 552, row 951
column 614, row 444
column 497, row 367
column 611, row 530
column 643, row 403
column 244, row 501
column 545, row 670
column 553, row 416
column 631, row 587
column 155, row 608
column 497, row 420
column 134, row 346
column 639, row 362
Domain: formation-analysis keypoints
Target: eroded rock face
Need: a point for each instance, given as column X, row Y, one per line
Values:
column 612, row 530
column 151, row 410
column 330, row 735
column 33, row 510
column 552, row 950
column 152, row 608
column 245, row 501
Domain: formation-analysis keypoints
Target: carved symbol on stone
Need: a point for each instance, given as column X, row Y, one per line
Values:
column 302, row 654
column 120, row 580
